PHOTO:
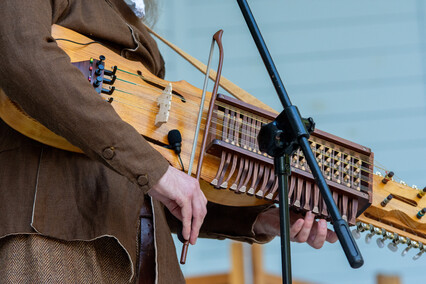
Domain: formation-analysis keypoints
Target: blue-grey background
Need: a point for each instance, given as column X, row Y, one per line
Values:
column 357, row 67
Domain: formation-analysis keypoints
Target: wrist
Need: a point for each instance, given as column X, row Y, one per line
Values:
column 267, row 223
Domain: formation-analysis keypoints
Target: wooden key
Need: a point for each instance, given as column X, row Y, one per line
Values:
column 315, row 209
column 353, row 211
column 272, row 194
column 240, row 171
column 240, row 187
column 248, row 176
column 265, row 178
column 214, row 182
column 269, row 185
column 231, row 172
column 298, row 193
column 308, row 191
column 344, row 210
column 225, row 167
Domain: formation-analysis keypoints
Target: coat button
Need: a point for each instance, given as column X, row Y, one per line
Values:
column 108, row 153
column 142, row 180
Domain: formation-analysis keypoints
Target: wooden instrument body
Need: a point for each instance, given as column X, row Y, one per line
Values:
column 138, row 109
column 244, row 169
column 138, row 106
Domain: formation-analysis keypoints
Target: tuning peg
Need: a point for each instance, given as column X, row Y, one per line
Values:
column 393, row 246
column 110, row 81
column 412, row 244
column 417, row 256
column 98, row 81
column 101, row 60
column 388, row 177
column 368, row 237
column 422, row 250
column 356, row 234
column 386, row 200
column 109, row 72
column 374, row 231
column 99, row 70
column 421, row 192
column 398, row 240
column 381, row 241
column 360, row 227
column 421, row 213
column 109, row 91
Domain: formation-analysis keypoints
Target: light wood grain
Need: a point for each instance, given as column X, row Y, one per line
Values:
column 397, row 216
column 139, row 110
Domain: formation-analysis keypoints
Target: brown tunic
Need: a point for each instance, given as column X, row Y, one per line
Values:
column 72, row 196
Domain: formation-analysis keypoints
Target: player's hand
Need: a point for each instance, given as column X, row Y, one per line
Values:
column 182, row 195
column 306, row 229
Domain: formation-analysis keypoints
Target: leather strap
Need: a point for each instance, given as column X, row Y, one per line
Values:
column 147, row 248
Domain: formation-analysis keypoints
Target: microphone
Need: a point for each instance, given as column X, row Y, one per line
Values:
column 175, row 140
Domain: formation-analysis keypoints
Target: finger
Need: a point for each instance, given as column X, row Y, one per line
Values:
column 295, row 229
column 318, row 234
column 199, row 212
column 306, row 229
column 186, row 209
column 331, row 236
column 174, row 209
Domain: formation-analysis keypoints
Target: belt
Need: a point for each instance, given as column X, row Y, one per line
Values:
column 147, row 248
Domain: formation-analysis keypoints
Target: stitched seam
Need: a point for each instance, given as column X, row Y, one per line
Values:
column 135, row 41
column 36, row 185
column 155, row 240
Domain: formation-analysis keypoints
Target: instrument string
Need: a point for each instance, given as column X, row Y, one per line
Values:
column 139, row 75
column 250, row 131
column 150, row 80
column 366, row 165
column 232, row 130
column 184, row 116
column 252, row 135
column 262, row 120
column 218, row 121
column 253, row 148
column 157, row 90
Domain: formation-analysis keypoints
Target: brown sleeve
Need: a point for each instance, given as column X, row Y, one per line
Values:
column 229, row 222
column 37, row 74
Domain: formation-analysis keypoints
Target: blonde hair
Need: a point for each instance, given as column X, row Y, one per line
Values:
column 151, row 12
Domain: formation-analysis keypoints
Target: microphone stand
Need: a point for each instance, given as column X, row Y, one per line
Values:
column 280, row 139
